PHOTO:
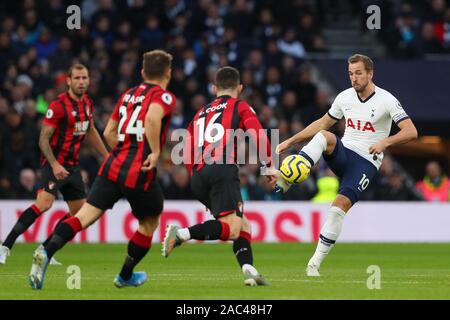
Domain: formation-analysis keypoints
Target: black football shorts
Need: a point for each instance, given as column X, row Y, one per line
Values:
column 105, row 193
column 72, row 187
column 217, row 186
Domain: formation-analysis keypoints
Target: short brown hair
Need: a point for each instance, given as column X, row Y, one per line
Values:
column 368, row 63
column 156, row 63
column 77, row 66
column 227, row 78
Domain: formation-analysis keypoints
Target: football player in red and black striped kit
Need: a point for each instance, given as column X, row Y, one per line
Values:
column 68, row 122
column 211, row 159
column 136, row 132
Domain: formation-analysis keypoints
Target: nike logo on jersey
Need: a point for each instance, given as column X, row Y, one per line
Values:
column 360, row 125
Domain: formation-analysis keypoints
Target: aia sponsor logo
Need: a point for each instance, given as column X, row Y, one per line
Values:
column 360, row 125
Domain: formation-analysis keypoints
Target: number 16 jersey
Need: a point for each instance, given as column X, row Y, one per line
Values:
column 124, row 162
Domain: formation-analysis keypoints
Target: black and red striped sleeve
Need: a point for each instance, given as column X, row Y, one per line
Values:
column 55, row 114
column 251, row 123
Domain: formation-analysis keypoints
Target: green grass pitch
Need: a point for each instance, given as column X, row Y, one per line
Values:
column 209, row 271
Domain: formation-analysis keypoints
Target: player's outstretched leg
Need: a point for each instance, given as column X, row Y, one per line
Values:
column 138, row 247
column 172, row 239
column 328, row 236
column 208, row 230
column 319, row 144
column 53, row 261
column 243, row 252
column 322, row 142
column 44, row 201
column 63, row 234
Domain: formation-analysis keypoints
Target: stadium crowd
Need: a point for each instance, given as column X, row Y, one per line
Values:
column 268, row 41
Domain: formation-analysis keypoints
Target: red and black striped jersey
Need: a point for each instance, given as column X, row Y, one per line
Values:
column 212, row 134
column 124, row 162
column 71, row 119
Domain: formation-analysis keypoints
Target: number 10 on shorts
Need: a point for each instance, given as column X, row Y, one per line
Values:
column 363, row 183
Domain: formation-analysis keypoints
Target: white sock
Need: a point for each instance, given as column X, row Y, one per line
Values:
column 316, row 147
column 328, row 235
column 184, row 234
column 250, row 268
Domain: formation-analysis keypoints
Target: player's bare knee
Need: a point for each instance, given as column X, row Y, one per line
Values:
column 342, row 202
column 331, row 140
column 246, row 225
column 75, row 206
column 148, row 225
column 235, row 229
column 44, row 203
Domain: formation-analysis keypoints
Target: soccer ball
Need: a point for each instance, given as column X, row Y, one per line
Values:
column 295, row 169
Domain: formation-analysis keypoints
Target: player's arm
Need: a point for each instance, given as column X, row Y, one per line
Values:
column 44, row 144
column 408, row 132
column 110, row 133
column 94, row 139
column 323, row 123
column 152, row 126
column 253, row 126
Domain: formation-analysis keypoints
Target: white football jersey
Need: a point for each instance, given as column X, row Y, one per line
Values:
column 366, row 122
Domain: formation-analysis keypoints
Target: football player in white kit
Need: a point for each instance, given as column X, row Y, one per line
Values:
column 368, row 111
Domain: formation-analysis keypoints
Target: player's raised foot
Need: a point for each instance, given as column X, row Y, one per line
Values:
column 4, row 253
column 137, row 279
column 282, row 185
column 38, row 269
column 53, row 261
column 312, row 270
column 171, row 240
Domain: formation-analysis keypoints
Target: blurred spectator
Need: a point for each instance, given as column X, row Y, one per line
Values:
column 17, row 149
column 152, row 36
column 327, row 186
column 273, row 87
column 397, row 188
column 249, row 189
column 46, row 44
column 179, row 120
column 435, row 186
column 304, row 87
column 179, row 187
column 290, row 45
column 443, row 31
column 27, row 185
column 6, row 191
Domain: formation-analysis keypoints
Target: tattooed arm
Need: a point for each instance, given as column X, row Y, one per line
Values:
column 44, row 144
